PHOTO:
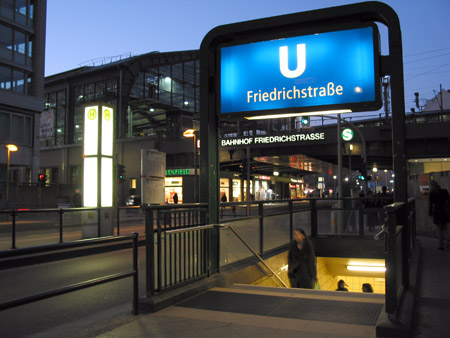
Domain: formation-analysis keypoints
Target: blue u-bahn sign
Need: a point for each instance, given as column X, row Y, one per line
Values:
column 317, row 72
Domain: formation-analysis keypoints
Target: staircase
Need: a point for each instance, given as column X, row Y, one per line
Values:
column 278, row 312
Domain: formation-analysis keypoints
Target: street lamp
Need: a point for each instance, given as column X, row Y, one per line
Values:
column 9, row 147
column 193, row 133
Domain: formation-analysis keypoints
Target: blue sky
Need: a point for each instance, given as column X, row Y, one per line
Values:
column 80, row 31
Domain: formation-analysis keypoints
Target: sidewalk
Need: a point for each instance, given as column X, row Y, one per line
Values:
column 432, row 313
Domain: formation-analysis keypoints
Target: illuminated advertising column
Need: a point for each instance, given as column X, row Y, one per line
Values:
column 98, row 158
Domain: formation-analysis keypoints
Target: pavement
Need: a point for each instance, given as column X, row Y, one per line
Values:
column 431, row 315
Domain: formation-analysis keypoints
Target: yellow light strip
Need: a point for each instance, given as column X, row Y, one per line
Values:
column 315, row 113
column 371, row 268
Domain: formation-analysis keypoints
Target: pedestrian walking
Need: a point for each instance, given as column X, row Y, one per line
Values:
column 439, row 209
column 302, row 271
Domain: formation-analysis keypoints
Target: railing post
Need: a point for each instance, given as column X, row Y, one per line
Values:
column 61, row 213
column 118, row 221
column 13, row 215
column 149, row 252
column 313, row 204
column 135, row 275
column 99, row 218
column 261, row 227
column 291, row 220
column 391, row 260
column 406, row 247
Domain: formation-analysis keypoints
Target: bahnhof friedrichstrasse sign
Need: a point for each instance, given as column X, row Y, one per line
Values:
column 323, row 71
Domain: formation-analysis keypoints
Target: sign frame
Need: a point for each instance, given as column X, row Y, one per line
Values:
column 376, row 104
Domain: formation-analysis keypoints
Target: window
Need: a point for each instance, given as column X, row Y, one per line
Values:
column 55, row 105
column 19, row 47
column 5, row 78
column 4, row 127
column 6, row 43
column 16, row 128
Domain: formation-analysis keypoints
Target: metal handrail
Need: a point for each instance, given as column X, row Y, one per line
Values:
column 81, row 285
column 253, row 252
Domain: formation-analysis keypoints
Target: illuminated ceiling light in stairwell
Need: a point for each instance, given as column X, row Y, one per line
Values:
column 366, row 268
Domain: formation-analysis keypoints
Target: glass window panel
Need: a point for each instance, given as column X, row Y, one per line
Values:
column 18, row 81
column 28, row 131
column 31, row 10
column 78, row 124
column 79, row 94
column 89, row 92
column 111, row 88
column 21, row 11
column 100, row 91
column 30, row 48
column 29, row 78
column 177, row 72
column 17, row 129
column 4, row 127
column 6, row 9
column 61, row 98
column 19, row 42
column 6, row 42
column 5, row 78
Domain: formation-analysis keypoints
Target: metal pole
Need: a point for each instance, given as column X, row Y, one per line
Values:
column 61, row 213
column 135, row 275
column 339, row 162
column 247, row 193
column 195, row 169
column 7, row 180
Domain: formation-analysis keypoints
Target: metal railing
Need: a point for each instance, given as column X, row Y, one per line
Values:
column 273, row 273
column 175, row 234
column 178, row 241
column 16, row 212
column 55, row 250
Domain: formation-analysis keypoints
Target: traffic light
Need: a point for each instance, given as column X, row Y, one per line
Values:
column 362, row 171
column 42, row 178
column 120, row 172
column 305, row 121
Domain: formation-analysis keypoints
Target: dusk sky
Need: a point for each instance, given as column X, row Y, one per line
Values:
column 81, row 31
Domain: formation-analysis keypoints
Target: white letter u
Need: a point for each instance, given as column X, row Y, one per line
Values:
column 301, row 61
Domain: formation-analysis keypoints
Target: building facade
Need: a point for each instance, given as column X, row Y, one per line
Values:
column 22, row 52
column 156, row 98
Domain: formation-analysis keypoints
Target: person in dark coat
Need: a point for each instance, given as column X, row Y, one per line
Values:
column 175, row 198
column 341, row 286
column 438, row 209
column 302, row 271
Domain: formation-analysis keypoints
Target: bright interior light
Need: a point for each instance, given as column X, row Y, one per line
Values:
column 107, row 182
column 107, row 131
column 90, row 182
column 285, row 267
column 375, row 169
column 91, row 130
column 280, row 116
column 11, row 147
column 366, row 268
column 276, row 173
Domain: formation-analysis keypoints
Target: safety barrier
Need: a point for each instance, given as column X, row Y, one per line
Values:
column 55, row 250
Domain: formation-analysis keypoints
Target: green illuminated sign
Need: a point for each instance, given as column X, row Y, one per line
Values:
column 347, row 134
column 178, row 172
